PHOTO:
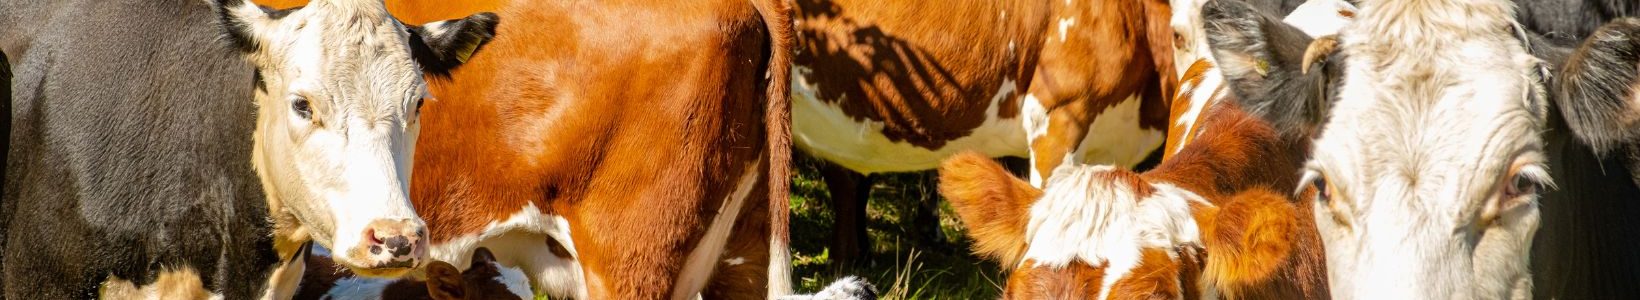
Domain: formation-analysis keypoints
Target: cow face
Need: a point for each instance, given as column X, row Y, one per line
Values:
column 339, row 93
column 1426, row 169
column 1094, row 231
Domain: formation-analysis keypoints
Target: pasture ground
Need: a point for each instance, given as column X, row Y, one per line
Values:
column 900, row 266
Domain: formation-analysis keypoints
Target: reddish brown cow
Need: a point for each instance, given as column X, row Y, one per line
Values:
column 615, row 149
column 890, row 86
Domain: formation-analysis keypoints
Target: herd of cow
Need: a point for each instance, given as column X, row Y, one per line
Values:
column 630, row 149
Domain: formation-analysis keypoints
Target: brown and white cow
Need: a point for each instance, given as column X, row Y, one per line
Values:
column 615, row 150
column 1213, row 219
column 893, row 86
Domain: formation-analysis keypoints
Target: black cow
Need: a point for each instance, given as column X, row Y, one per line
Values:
column 131, row 149
column 131, row 132
column 1585, row 248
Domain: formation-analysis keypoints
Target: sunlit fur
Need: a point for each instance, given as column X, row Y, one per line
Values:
column 1440, row 107
column 334, row 174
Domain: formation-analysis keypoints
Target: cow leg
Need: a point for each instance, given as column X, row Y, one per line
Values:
column 924, row 223
column 849, row 192
column 742, row 271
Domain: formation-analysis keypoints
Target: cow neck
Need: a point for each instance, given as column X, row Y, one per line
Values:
column 1234, row 151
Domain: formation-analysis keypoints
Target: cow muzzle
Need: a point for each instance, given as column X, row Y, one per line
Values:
column 388, row 248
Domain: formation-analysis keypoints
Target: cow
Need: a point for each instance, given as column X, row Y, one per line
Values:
column 1208, row 221
column 1212, row 219
column 880, row 87
column 166, row 146
column 483, row 279
column 1425, row 172
column 620, row 150
column 1579, row 250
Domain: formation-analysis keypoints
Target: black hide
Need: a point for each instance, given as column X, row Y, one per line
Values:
column 131, row 131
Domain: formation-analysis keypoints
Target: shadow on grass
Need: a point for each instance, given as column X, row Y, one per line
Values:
column 900, row 269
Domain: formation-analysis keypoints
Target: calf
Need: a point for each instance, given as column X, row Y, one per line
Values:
column 155, row 140
column 484, row 279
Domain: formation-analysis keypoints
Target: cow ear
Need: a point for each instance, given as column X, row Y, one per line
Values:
column 1597, row 87
column 1248, row 238
column 444, row 45
column 245, row 24
column 444, row 282
column 1264, row 61
column 482, row 258
column 992, row 203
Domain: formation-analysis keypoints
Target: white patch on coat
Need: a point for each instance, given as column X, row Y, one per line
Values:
column 823, row 130
column 1034, row 117
column 520, row 240
column 1203, row 95
column 1084, row 218
column 698, row 266
column 735, row 261
column 515, row 280
column 1065, row 27
column 1115, row 137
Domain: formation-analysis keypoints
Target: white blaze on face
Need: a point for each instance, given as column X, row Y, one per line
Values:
column 1427, row 167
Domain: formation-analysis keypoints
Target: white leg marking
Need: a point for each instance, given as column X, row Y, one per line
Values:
column 702, row 260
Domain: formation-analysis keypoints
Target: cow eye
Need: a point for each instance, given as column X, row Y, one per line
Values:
column 1521, row 184
column 419, row 102
column 1323, row 193
column 301, row 107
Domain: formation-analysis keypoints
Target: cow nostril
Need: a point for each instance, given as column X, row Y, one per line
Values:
column 370, row 236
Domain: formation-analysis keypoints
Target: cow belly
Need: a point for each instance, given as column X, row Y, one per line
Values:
column 825, row 131
column 524, row 240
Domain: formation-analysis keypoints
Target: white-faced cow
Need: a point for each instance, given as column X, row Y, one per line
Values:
column 888, row 87
column 1425, row 173
column 149, row 155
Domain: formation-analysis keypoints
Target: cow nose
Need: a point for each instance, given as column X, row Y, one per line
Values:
column 395, row 243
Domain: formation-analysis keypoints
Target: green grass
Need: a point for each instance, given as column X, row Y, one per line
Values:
column 896, row 265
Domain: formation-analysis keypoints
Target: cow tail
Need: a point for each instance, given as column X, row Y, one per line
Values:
column 777, row 15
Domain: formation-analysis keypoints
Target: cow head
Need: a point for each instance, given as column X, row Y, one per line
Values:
column 1426, row 169
column 484, row 279
column 1095, row 230
column 1597, row 92
column 339, row 92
